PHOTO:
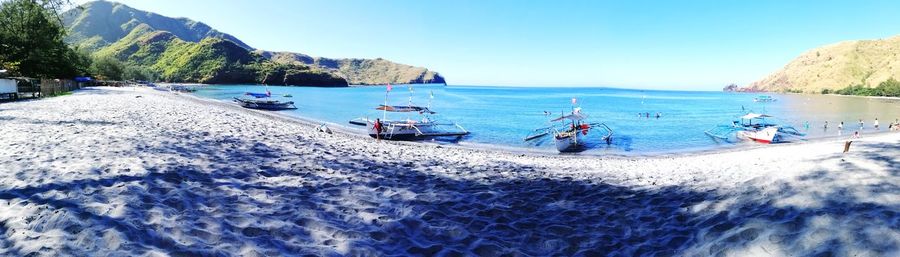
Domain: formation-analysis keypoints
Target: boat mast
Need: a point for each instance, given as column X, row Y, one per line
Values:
column 384, row 110
column 574, row 127
column 409, row 102
column 264, row 83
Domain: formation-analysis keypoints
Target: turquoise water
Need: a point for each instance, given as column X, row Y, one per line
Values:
column 503, row 116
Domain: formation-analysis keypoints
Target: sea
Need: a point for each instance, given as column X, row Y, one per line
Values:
column 499, row 116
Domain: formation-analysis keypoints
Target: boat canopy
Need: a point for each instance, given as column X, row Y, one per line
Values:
column 576, row 115
column 404, row 109
column 573, row 116
column 751, row 116
column 257, row 95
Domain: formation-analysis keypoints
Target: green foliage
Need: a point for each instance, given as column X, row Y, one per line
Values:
column 133, row 72
column 890, row 87
column 182, row 50
column 60, row 94
column 81, row 59
column 106, row 67
column 100, row 23
column 826, row 91
column 295, row 75
column 31, row 39
column 202, row 62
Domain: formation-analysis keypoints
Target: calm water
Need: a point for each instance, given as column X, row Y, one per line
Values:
column 503, row 116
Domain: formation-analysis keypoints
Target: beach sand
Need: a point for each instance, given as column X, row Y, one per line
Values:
column 135, row 171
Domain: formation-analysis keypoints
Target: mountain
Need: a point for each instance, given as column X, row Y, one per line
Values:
column 181, row 49
column 98, row 24
column 212, row 60
column 361, row 71
column 837, row 66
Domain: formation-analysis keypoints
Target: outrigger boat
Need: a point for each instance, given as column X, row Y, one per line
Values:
column 424, row 127
column 264, row 101
column 182, row 88
column 755, row 127
column 571, row 134
column 265, row 104
column 764, row 99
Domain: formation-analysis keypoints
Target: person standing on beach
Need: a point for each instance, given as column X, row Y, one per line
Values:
column 861, row 124
column 377, row 128
column 876, row 123
column 806, row 125
column 826, row 125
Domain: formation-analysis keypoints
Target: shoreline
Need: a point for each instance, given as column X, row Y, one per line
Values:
column 730, row 147
column 136, row 171
column 891, row 98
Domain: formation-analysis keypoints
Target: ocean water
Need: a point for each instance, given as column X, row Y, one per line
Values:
column 503, row 116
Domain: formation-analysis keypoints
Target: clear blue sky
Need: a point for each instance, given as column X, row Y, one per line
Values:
column 696, row 45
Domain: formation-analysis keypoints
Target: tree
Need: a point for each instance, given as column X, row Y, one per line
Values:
column 133, row 72
column 107, row 68
column 31, row 36
column 890, row 87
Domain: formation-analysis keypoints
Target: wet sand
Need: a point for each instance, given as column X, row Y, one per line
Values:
column 134, row 171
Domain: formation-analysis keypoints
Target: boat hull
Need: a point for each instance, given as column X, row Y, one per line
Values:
column 573, row 142
column 767, row 135
column 265, row 104
column 410, row 131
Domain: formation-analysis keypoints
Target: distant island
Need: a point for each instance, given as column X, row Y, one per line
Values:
column 861, row 67
column 150, row 46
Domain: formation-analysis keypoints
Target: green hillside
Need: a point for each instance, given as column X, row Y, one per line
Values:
column 183, row 50
column 361, row 71
column 212, row 61
column 101, row 23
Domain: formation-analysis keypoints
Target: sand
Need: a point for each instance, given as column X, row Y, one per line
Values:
column 135, row 171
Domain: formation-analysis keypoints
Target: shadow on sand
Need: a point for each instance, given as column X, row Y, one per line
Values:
column 359, row 206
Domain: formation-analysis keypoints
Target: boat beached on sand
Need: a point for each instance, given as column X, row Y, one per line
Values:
column 424, row 126
column 571, row 133
column 755, row 127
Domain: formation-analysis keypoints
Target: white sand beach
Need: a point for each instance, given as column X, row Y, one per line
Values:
column 140, row 172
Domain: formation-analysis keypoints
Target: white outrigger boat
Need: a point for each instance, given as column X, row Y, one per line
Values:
column 571, row 134
column 755, row 127
column 424, row 127
column 263, row 101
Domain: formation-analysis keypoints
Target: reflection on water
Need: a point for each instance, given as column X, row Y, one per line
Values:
column 504, row 115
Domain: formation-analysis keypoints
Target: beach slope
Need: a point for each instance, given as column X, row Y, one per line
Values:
column 134, row 171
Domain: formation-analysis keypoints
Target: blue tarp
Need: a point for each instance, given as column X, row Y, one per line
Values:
column 257, row 95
